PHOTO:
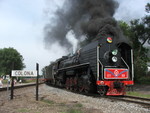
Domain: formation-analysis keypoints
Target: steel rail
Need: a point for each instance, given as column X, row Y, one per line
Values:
column 135, row 97
column 132, row 99
column 19, row 86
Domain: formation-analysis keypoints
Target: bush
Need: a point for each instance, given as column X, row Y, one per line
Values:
column 148, row 73
column 144, row 80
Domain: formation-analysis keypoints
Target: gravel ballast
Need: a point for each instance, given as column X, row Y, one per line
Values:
column 54, row 100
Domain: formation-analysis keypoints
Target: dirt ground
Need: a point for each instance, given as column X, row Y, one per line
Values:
column 25, row 102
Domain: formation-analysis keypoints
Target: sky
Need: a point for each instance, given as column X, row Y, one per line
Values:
column 22, row 23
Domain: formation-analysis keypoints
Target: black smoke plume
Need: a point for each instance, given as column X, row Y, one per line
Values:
column 84, row 17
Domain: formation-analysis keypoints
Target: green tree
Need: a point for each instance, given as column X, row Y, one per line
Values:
column 10, row 59
column 139, row 33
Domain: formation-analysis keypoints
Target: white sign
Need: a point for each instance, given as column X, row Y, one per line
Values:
column 23, row 73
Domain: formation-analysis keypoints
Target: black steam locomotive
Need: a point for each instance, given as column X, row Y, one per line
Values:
column 105, row 66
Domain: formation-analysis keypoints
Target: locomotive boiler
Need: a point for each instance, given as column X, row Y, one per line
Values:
column 105, row 66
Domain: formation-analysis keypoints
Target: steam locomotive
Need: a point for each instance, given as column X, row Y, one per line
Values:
column 105, row 66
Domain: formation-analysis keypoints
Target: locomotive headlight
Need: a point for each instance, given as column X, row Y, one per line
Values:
column 114, row 52
column 114, row 59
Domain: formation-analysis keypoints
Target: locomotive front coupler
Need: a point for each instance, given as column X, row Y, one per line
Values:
column 99, row 87
column 118, row 85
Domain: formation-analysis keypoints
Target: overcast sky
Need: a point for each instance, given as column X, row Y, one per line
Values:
column 22, row 22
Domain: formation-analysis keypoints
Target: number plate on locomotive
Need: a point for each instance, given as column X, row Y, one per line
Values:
column 115, row 73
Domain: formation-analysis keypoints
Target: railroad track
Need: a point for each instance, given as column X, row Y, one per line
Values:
column 19, row 86
column 126, row 98
column 133, row 99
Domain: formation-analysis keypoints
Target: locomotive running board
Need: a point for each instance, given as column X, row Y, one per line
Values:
column 75, row 66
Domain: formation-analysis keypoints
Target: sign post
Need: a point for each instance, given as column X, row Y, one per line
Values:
column 8, row 83
column 37, row 82
column 12, row 83
column 12, row 88
column 21, row 73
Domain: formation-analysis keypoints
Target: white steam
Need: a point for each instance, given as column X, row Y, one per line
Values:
column 70, row 36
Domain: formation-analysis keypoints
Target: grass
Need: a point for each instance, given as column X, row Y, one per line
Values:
column 50, row 102
column 29, row 80
column 4, row 81
column 62, row 104
column 138, row 94
column 23, row 110
column 73, row 111
column 79, row 105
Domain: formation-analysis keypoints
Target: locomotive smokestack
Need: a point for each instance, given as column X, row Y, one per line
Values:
column 83, row 17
